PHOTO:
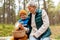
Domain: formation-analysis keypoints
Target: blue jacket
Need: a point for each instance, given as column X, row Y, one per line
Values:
column 25, row 23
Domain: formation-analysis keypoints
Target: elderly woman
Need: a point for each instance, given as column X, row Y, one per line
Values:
column 39, row 22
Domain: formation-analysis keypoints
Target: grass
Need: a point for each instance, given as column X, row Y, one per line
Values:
column 6, row 30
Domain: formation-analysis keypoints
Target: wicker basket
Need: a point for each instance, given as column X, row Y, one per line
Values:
column 19, row 34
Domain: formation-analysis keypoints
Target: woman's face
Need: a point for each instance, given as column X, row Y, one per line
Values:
column 23, row 16
column 31, row 9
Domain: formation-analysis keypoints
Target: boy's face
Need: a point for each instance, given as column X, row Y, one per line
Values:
column 23, row 16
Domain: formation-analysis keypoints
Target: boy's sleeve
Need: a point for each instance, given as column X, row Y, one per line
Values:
column 16, row 25
column 27, row 29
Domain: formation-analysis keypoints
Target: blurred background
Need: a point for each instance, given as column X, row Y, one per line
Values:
column 9, row 15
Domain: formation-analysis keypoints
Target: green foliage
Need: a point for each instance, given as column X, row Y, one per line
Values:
column 6, row 29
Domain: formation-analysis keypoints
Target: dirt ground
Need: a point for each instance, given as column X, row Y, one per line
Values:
column 55, row 32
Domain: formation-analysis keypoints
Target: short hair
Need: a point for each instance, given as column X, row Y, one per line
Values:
column 32, row 3
column 22, row 12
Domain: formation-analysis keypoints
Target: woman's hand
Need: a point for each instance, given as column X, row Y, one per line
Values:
column 34, row 36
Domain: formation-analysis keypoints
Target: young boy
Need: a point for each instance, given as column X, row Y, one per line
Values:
column 23, row 22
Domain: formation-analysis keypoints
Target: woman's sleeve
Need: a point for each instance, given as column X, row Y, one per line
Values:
column 44, row 26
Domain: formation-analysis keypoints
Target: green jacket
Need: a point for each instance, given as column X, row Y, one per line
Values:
column 39, row 22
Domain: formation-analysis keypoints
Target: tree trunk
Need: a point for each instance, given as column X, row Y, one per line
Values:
column 45, row 6
column 38, row 4
column 4, row 13
column 24, row 4
column 8, row 15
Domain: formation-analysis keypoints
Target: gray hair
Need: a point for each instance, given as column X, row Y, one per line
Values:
column 32, row 3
